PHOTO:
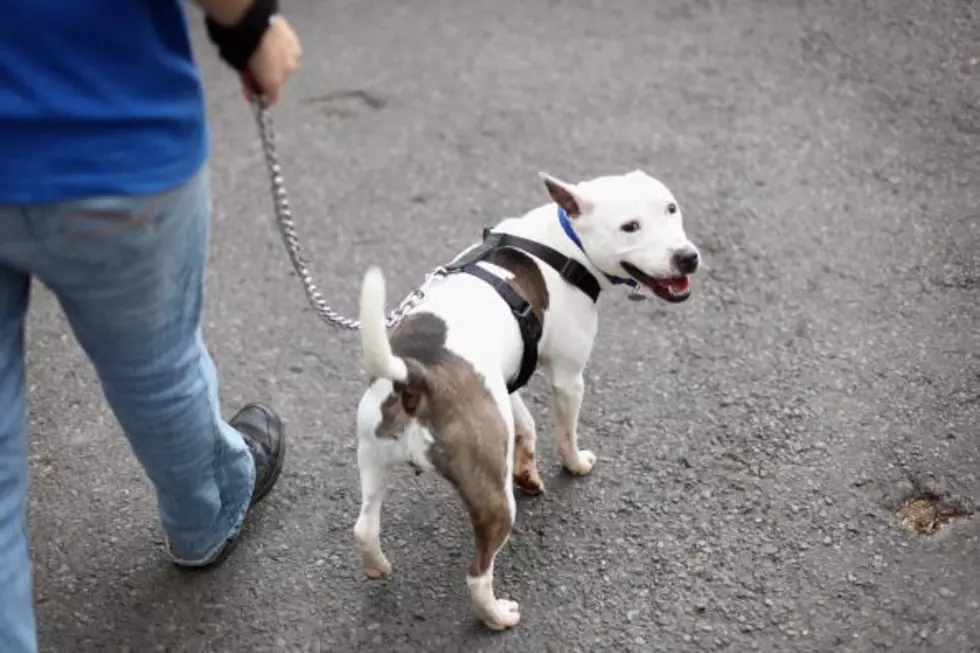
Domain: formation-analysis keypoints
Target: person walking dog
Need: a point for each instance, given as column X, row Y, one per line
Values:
column 105, row 199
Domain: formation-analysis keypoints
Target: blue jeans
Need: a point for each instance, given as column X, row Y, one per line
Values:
column 128, row 274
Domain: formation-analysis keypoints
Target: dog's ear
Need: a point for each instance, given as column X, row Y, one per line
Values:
column 566, row 195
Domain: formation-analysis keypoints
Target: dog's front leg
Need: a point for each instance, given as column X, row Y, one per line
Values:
column 567, row 389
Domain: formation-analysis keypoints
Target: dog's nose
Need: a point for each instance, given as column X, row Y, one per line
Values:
column 686, row 260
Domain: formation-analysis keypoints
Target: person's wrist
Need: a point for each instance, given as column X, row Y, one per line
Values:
column 238, row 42
column 225, row 12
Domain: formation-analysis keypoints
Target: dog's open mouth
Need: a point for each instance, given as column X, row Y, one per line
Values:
column 669, row 289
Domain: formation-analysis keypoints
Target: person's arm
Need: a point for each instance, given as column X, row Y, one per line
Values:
column 255, row 40
column 225, row 12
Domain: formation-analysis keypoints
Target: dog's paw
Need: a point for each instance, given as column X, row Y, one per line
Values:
column 579, row 463
column 506, row 614
column 376, row 566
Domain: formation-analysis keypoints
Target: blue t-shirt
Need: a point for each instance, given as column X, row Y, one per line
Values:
column 97, row 97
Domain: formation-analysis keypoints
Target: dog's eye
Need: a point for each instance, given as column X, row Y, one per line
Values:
column 671, row 209
column 631, row 226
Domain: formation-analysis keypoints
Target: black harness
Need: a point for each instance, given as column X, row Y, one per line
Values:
column 527, row 321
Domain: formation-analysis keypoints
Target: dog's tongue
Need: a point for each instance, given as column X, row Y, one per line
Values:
column 677, row 286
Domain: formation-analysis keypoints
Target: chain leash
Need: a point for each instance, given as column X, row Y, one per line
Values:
column 287, row 228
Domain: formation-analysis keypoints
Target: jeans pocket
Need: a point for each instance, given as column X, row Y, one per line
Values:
column 86, row 224
column 96, row 238
column 107, row 234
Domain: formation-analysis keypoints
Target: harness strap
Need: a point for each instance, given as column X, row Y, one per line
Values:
column 567, row 268
column 527, row 322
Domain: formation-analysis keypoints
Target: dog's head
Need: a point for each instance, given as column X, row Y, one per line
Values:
column 630, row 227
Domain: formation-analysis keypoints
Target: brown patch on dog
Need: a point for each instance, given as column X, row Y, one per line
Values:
column 420, row 337
column 419, row 340
column 394, row 419
column 470, row 450
column 526, row 474
column 528, row 280
column 410, row 400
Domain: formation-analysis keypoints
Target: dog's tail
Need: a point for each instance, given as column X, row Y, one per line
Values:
column 378, row 359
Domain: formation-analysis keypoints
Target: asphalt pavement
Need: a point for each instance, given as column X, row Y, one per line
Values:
column 755, row 443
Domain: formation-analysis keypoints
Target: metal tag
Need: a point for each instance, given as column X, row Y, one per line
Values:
column 635, row 295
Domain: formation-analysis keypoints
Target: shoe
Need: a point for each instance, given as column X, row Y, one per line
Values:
column 264, row 435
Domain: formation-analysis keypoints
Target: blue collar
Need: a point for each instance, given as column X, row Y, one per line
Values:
column 566, row 225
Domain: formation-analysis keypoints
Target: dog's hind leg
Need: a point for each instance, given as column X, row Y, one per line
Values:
column 367, row 530
column 492, row 514
column 526, row 474
column 378, row 424
column 475, row 453
column 471, row 421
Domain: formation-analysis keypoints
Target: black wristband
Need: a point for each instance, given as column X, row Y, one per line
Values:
column 237, row 43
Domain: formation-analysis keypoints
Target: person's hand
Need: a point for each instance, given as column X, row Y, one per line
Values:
column 272, row 63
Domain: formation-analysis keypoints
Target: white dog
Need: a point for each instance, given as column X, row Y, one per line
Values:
column 443, row 390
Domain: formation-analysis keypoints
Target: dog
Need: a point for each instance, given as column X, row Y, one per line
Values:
column 441, row 395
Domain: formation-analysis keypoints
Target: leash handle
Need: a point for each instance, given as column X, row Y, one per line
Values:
column 287, row 228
